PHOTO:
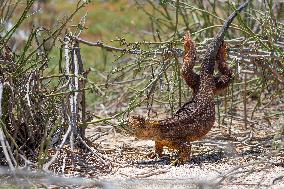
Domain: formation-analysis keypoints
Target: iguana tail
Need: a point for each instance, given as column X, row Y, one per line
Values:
column 215, row 44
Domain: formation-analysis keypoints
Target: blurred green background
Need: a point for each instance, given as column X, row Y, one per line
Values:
column 104, row 21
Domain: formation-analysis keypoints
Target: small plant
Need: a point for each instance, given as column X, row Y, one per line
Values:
column 40, row 110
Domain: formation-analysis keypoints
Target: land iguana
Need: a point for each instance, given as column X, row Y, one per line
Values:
column 196, row 117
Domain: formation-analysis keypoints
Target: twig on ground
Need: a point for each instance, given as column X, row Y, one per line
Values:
column 48, row 164
column 3, row 140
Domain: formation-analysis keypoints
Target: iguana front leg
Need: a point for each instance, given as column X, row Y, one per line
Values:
column 191, row 78
column 223, row 81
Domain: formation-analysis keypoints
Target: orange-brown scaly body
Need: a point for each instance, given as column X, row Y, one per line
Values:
column 196, row 117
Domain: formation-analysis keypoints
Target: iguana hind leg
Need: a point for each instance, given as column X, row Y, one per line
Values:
column 183, row 148
column 159, row 145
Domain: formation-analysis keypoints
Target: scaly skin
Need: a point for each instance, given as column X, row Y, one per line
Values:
column 196, row 117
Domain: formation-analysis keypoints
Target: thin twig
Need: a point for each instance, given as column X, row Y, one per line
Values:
column 2, row 135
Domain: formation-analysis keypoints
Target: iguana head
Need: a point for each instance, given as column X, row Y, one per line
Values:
column 141, row 127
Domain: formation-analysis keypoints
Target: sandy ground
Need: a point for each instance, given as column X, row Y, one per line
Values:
column 231, row 155
column 216, row 162
column 192, row 176
column 243, row 158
